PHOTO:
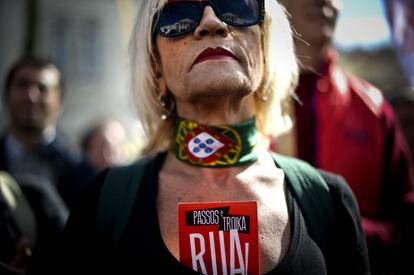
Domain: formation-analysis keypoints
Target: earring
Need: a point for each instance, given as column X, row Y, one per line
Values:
column 263, row 96
column 167, row 103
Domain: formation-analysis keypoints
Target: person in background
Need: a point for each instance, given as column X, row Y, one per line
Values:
column 207, row 77
column 344, row 125
column 18, row 227
column 31, row 146
column 400, row 16
column 104, row 144
column 403, row 105
column 32, row 217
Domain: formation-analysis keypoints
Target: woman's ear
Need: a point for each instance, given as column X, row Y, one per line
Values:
column 161, row 84
column 157, row 69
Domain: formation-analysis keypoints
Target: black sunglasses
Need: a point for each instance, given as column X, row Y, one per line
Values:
column 181, row 17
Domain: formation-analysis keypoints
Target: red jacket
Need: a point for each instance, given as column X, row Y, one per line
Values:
column 344, row 125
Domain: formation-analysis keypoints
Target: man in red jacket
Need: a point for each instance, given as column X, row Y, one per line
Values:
column 344, row 125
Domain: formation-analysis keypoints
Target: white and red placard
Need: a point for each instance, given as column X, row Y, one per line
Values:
column 219, row 237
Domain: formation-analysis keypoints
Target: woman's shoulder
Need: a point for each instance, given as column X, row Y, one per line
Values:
column 348, row 233
column 336, row 183
column 115, row 179
column 91, row 191
column 333, row 180
column 86, row 202
column 341, row 193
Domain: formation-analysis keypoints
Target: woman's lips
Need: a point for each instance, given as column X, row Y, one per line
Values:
column 217, row 53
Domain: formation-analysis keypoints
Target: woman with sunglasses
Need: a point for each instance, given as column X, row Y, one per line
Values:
column 209, row 79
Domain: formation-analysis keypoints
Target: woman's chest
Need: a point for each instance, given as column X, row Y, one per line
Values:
column 273, row 221
column 152, row 235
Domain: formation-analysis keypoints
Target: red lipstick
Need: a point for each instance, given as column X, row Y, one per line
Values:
column 217, row 53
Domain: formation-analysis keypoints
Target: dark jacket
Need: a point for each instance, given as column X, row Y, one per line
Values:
column 141, row 248
column 70, row 173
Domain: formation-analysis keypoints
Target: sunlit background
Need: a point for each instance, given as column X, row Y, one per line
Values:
column 362, row 24
column 364, row 40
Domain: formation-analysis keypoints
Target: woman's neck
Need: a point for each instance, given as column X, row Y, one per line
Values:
column 217, row 110
column 215, row 146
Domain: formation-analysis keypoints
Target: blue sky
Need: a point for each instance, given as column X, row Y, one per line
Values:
column 361, row 24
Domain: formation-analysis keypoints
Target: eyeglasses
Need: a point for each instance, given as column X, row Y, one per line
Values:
column 181, row 17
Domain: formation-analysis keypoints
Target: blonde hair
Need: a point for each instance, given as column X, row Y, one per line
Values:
column 279, row 79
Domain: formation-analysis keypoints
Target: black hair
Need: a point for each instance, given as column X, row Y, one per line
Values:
column 33, row 62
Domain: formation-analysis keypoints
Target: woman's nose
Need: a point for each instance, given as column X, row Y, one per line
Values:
column 210, row 25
